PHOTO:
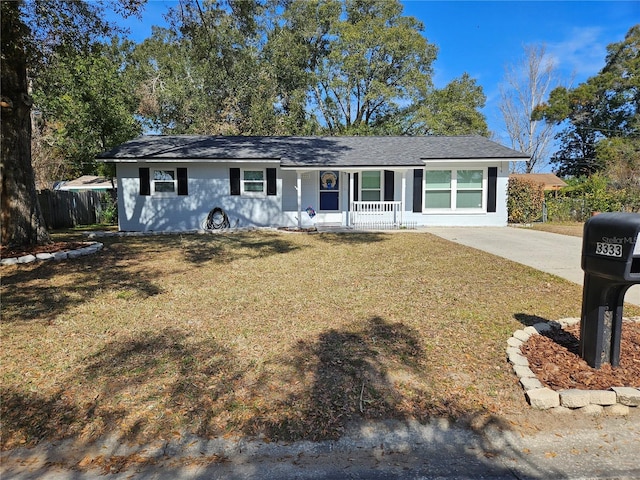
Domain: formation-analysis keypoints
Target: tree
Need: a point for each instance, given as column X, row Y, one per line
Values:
column 526, row 84
column 299, row 67
column 453, row 110
column 22, row 221
column 55, row 25
column 86, row 104
column 202, row 74
column 603, row 108
column 377, row 62
column 297, row 43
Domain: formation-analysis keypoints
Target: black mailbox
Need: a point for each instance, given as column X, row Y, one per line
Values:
column 611, row 262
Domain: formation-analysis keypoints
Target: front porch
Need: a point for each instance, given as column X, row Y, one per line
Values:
column 371, row 215
column 363, row 199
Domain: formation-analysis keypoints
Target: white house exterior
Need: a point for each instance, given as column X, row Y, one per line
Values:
column 173, row 182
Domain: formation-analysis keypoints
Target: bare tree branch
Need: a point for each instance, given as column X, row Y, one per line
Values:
column 526, row 84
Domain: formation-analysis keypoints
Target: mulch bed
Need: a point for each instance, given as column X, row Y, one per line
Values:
column 554, row 357
column 12, row 252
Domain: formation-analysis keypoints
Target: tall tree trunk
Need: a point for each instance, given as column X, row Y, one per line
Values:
column 21, row 219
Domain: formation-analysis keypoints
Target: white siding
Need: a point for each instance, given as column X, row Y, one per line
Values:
column 480, row 219
column 209, row 187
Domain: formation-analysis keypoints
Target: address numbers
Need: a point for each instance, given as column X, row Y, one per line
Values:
column 609, row 249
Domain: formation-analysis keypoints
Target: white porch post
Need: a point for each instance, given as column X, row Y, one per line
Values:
column 404, row 196
column 350, row 213
column 299, row 192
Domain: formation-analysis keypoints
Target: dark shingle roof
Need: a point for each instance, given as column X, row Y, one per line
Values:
column 313, row 151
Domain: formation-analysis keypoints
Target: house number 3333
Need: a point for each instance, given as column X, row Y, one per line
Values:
column 609, row 249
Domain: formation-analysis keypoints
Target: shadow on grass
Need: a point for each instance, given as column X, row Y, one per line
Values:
column 351, row 238
column 190, row 378
column 34, row 291
column 313, row 392
column 226, row 248
column 148, row 386
column 44, row 290
column 352, row 376
column 529, row 320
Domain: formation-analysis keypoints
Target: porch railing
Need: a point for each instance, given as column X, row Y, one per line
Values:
column 376, row 215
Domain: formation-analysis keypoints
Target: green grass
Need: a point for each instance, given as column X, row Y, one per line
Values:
column 288, row 336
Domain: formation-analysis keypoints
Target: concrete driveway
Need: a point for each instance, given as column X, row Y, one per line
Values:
column 559, row 255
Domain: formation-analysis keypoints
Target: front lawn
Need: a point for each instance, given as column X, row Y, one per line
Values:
column 574, row 229
column 284, row 335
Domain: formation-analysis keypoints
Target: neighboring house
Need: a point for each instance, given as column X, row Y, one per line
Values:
column 84, row 183
column 549, row 181
column 174, row 182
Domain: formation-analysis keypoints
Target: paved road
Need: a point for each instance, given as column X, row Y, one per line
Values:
column 605, row 448
column 552, row 253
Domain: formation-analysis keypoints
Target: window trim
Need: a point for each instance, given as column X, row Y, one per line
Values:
column 453, row 208
column 245, row 193
column 153, row 181
column 380, row 189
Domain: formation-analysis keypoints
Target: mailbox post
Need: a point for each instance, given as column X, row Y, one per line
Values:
column 611, row 262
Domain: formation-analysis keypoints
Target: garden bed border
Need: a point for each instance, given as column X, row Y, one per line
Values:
column 615, row 401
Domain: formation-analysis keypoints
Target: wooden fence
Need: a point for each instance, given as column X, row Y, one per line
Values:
column 62, row 209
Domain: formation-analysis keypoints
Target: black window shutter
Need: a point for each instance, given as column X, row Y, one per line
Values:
column 183, row 188
column 492, row 188
column 272, row 187
column 355, row 187
column 145, row 185
column 234, row 177
column 388, row 186
column 417, row 189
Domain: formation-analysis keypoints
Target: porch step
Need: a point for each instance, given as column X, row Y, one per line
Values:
column 332, row 227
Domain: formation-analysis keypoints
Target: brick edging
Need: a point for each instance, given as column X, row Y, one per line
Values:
column 615, row 401
column 93, row 247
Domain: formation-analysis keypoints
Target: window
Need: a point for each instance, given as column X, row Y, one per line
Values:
column 164, row 181
column 437, row 189
column 453, row 189
column 371, row 187
column 253, row 182
column 469, row 189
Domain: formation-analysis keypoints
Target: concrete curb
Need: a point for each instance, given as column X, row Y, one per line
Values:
column 615, row 401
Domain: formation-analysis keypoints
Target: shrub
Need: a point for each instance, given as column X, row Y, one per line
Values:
column 109, row 209
column 597, row 193
column 524, row 201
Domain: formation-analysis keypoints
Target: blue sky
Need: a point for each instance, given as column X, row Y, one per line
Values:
column 481, row 38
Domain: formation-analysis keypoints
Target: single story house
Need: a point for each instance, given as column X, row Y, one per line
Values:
column 174, row 182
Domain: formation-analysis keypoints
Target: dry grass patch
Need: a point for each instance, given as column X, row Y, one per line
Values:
column 284, row 335
column 574, row 229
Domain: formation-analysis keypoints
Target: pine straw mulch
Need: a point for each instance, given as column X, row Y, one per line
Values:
column 554, row 357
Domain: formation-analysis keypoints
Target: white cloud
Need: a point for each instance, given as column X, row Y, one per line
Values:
column 582, row 54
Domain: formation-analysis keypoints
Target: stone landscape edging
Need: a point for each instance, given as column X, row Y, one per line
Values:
column 89, row 249
column 615, row 401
